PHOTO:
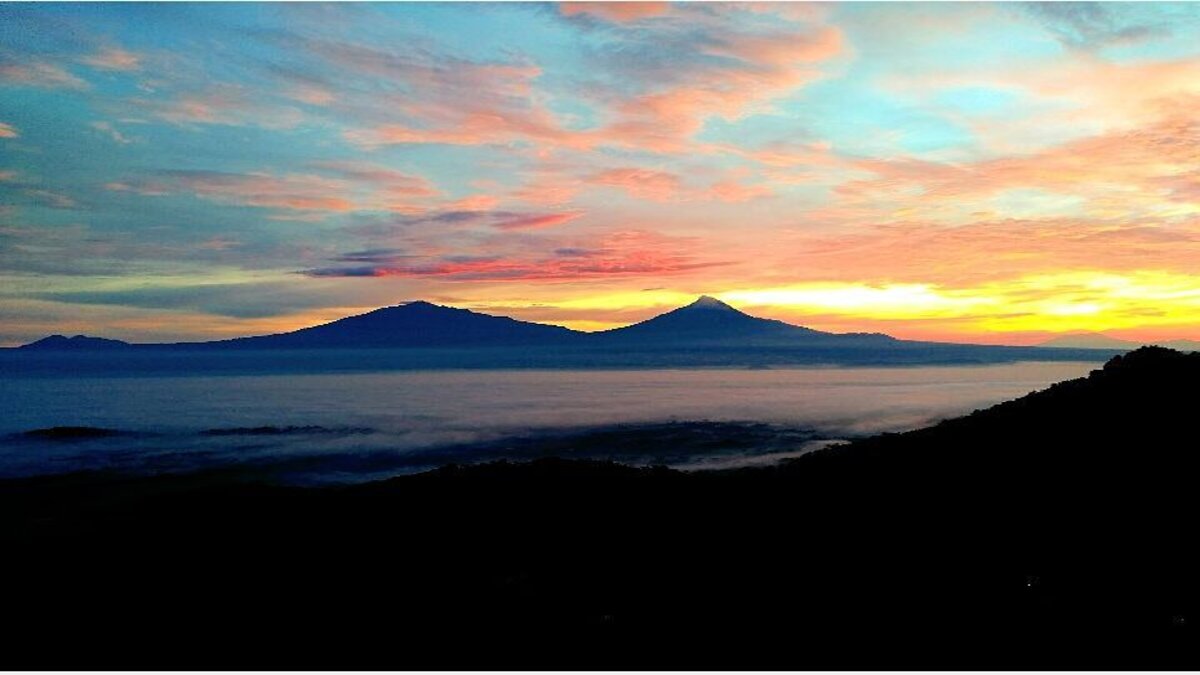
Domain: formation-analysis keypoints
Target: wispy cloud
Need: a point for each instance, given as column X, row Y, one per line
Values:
column 114, row 58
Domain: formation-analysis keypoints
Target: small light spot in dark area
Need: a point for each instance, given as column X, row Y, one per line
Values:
column 1179, row 620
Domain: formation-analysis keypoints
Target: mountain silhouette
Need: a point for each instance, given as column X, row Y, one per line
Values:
column 707, row 332
column 1102, row 341
column 414, row 324
column 77, row 343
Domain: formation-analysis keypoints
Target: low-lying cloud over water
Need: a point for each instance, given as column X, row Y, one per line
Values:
column 353, row 427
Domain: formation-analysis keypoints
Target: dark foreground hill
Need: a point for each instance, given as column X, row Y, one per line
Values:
column 1055, row 531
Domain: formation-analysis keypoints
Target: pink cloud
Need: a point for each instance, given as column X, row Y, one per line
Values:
column 40, row 74
column 479, row 202
column 537, row 222
column 1147, row 171
column 754, row 70
column 664, row 106
column 644, row 183
column 113, row 58
column 8, row 131
column 224, row 105
column 733, row 191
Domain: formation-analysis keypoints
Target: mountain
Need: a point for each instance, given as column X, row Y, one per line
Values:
column 77, row 343
column 414, row 324
column 1182, row 345
column 1089, row 341
column 705, row 333
column 708, row 321
column 1102, row 341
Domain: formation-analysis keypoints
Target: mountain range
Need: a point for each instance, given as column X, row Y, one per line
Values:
column 707, row 322
column 423, row 335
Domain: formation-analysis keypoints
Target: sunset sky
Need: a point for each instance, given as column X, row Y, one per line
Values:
column 970, row 172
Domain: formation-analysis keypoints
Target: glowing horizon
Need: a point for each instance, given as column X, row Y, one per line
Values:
column 993, row 173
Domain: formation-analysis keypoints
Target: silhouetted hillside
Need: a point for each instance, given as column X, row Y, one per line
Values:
column 1054, row 531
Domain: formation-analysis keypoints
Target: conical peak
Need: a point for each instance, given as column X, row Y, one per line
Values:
column 709, row 302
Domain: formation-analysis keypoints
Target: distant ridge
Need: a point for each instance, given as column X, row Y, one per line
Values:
column 77, row 343
column 1102, row 341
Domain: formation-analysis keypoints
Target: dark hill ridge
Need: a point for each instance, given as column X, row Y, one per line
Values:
column 1055, row 531
column 415, row 324
column 77, row 343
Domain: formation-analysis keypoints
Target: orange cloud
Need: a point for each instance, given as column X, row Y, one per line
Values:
column 8, row 131
column 617, row 12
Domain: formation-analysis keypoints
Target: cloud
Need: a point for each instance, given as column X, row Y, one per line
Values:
column 616, row 255
column 617, row 12
column 644, row 183
column 108, row 130
column 682, row 78
column 390, row 181
column 734, row 191
column 1093, row 25
column 981, row 251
column 536, row 221
column 1146, row 171
column 239, row 300
column 650, row 88
column 223, row 104
column 113, row 58
column 341, row 186
column 300, row 192
column 50, row 199
column 8, row 131
column 39, row 74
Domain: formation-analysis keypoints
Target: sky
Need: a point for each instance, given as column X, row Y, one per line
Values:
column 975, row 172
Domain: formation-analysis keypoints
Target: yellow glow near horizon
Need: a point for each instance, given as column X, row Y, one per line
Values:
column 1146, row 303
column 888, row 301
